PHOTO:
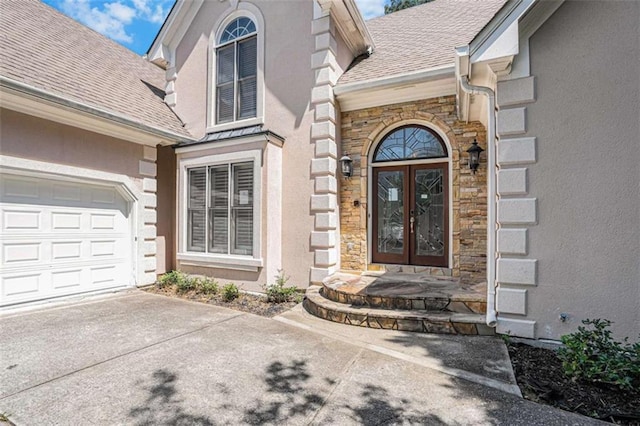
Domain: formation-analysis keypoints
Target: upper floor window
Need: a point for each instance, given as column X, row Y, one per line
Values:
column 410, row 143
column 237, row 72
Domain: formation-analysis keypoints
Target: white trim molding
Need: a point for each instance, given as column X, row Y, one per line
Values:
column 231, row 261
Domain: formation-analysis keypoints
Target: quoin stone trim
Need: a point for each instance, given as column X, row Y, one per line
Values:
column 150, row 203
column 516, row 210
column 323, row 205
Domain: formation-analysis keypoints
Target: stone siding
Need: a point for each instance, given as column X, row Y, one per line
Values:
column 362, row 129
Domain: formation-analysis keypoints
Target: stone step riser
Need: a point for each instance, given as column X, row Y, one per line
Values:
column 421, row 322
column 424, row 303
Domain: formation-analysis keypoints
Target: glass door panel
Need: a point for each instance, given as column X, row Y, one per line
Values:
column 410, row 215
column 429, row 215
column 389, row 206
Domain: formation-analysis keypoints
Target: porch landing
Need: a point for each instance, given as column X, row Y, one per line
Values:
column 401, row 301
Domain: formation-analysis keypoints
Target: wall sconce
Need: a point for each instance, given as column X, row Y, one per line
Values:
column 346, row 165
column 474, row 156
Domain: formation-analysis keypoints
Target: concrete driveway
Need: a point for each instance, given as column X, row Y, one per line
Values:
column 143, row 359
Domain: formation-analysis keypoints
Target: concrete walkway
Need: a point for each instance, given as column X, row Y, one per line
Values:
column 143, row 359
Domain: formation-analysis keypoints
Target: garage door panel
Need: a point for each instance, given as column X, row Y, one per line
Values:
column 66, row 250
column 21, row 252
column 66, row 279
column 20, row 286
column 60, row 238
column 21, row 188
column 103, row 196
column 66, row 221
column 17, row 219
column 67, row 192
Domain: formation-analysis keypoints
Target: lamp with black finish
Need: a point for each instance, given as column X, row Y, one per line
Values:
column 346, row 165
column 474, row 156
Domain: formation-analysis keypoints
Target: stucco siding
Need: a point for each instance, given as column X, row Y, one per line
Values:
column 29, row 137
column 289, row 80
column 586, row 179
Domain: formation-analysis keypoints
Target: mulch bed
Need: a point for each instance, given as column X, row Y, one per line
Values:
column 245, row 302
column 541, row 379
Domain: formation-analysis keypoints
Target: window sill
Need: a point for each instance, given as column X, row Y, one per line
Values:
column 235, row 124
column 240, row 263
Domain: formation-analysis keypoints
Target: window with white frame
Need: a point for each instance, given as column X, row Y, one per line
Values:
column 237, row 72
column 220, row 208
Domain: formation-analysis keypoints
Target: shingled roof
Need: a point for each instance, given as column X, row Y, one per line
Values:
column 421, row 37
column 43, row 48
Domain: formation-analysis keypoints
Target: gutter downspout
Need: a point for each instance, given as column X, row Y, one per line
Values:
column 491, row 319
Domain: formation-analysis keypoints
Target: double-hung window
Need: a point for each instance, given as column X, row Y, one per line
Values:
column 236, row 72
column 220, row 211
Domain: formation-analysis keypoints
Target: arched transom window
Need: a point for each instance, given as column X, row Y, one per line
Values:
column 236, row 72
column 410, row 143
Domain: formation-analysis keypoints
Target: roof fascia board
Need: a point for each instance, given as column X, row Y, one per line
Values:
column 408, row 92
column 350, row 24
column 263, row 139
column 29, row 100
column 538, row 15
column 173, row 30
column 489, row 35
column 395, row 80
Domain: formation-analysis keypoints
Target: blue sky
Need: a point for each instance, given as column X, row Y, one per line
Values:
column 134, row 23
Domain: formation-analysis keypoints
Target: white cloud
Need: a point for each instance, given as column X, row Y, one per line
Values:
column 371, row 8
column 113, row 18
column 150, row 12
column 110, row 21
column 119, row 11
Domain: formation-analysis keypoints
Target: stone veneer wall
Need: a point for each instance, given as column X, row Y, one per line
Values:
column 361, row 129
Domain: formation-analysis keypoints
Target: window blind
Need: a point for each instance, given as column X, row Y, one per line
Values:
column 242, row 209
column 196, row 237
column 225, row 88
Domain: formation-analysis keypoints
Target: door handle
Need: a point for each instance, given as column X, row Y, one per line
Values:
column 411, row 220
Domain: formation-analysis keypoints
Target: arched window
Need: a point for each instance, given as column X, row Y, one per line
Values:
column 410, row 143
column 236, row 72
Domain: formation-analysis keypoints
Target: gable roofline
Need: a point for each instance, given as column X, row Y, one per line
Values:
column 517, row 18
column 346, row 15
column 27, row 99
column 173, row 29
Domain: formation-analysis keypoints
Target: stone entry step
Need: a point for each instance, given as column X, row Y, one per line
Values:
column 441, row 322
column 406, row 292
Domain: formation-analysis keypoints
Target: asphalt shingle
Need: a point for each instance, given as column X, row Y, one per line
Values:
column 421, row 37
column 45, row 49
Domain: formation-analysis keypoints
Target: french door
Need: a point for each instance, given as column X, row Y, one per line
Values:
column 410, row 215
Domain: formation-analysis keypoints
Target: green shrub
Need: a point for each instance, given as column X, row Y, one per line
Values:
column 208, row 286
column 278, row 293
column 591, row 354
column 230, row 292
column 171, row 278
column 188, row 284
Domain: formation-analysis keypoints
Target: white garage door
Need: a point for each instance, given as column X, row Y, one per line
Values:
column 61, row 238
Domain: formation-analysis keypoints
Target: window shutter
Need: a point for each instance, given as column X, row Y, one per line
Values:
column 219, row 209
column 242, row 209
column 225, row 83
column 196, row 209
column 247, row 78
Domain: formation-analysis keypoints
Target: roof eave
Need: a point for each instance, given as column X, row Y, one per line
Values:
column 162, row 49
column 31, row 100
column 395, row 80
column 350, row 24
